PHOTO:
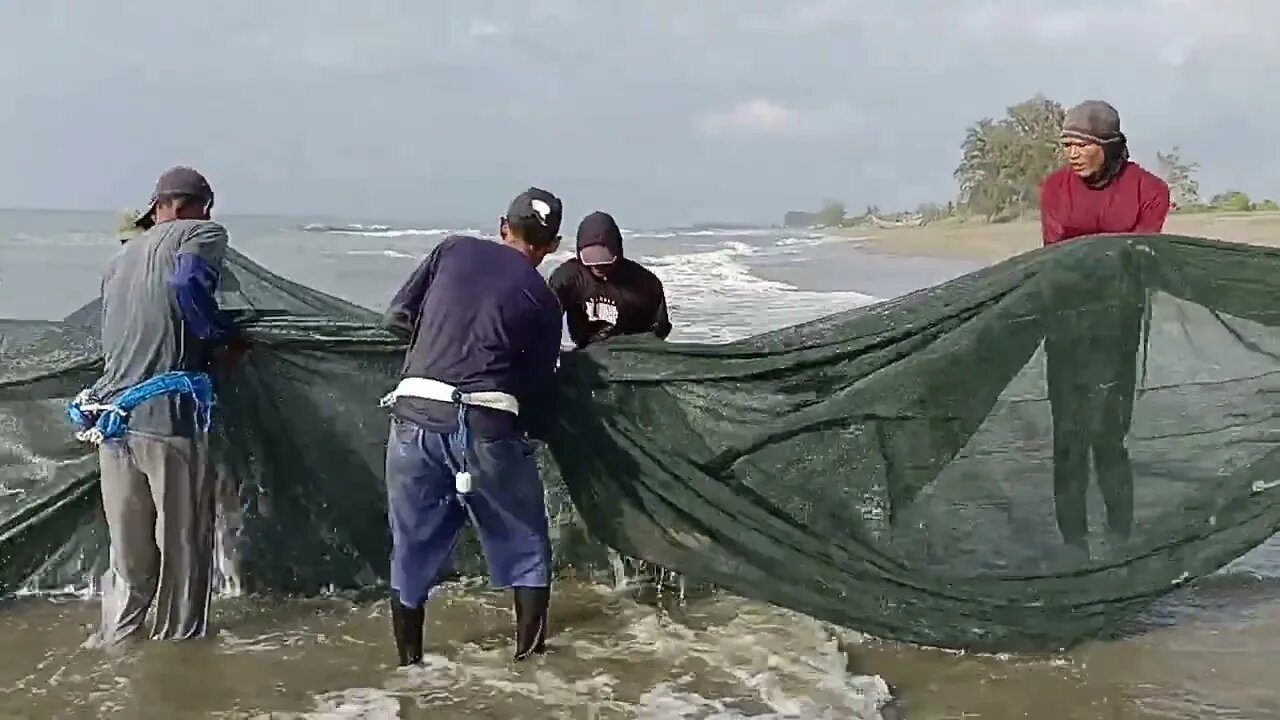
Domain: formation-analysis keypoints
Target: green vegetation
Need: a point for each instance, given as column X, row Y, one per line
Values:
column 1230, row 201
column 1002, row 163
column 831, row 214
column 1184, row 190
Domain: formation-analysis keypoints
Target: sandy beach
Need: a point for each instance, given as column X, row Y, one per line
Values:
column 992, row 243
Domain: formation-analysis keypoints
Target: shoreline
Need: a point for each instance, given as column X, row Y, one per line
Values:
column 991, row 243
column 830, row 267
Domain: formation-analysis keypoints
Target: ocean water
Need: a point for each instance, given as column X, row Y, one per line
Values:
column 620, row 652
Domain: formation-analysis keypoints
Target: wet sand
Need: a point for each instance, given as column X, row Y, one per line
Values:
column 830, row 267
column 1208, row 652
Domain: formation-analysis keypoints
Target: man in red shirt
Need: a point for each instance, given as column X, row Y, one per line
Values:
column 1099, row 190
column 1092, row 352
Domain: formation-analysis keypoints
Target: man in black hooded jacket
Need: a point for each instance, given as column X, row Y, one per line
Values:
column 604, row 294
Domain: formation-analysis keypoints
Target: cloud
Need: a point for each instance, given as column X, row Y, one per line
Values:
column 367, row 109
column 1165, row 30
column 750, row 117
column 763, row 119
column 484, row 29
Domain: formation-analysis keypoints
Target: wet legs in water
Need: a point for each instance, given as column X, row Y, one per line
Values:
column 426, row 515
column 1115, row 480
column 1091, row 404
column 406, row 626
column 531, row 605
column 157, row 490
column 1071, row 483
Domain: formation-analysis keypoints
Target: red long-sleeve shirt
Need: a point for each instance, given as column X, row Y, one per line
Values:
column 1136, row 201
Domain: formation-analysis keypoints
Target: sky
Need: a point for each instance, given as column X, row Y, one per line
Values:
column 662, row 112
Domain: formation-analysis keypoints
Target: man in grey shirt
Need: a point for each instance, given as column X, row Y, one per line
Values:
column 159, row 314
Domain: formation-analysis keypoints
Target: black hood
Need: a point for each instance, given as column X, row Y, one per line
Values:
column 599, row 230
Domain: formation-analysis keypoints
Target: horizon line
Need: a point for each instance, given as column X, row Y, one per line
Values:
column 402, row 222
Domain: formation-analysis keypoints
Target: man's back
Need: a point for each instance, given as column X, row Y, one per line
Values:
column 143, row 331
column 485, row 323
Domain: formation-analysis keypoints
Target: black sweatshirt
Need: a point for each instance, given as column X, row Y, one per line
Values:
column 631, row 302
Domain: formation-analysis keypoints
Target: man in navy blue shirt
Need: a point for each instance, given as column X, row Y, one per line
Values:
column 477, row 382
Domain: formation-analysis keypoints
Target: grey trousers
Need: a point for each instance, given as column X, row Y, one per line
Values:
column 158, row 495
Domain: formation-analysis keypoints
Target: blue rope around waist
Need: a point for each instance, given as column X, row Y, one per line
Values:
column 96, row 422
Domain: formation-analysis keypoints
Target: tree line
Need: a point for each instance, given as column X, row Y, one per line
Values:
column 1004, row 160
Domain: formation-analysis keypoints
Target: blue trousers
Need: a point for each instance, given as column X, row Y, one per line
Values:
column 426, row 513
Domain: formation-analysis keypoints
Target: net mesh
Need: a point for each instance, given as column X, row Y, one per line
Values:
column 1018, row 459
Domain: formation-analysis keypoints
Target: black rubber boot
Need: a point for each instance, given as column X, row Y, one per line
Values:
column 531, row 620
column 406, row 625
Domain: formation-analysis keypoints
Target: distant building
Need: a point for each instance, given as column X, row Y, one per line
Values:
column 799, row 219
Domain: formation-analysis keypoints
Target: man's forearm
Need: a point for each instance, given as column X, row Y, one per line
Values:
column 662, row 325
column 1152, row 216
column 399, row 322
column 195, row 282
column 401, row 318
column 541, row 391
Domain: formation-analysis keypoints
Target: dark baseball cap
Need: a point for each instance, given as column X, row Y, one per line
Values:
column 538, row 212
column 179, row 180
column 599, row 239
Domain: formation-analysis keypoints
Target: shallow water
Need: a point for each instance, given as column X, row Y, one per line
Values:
column 1208, row 652
column 611, row 657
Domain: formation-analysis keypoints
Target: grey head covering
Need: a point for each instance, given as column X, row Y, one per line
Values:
column 1098, row 123
column 1093, row 121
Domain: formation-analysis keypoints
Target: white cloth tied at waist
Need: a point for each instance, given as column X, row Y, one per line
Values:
column 428, row 389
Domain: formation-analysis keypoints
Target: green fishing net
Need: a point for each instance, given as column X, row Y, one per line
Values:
column 1019, row 459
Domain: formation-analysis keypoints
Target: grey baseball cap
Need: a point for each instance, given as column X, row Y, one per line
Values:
column 179, row 180
column 1093, row 121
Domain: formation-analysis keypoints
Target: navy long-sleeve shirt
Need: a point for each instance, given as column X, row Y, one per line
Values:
column 195, row 284
column 479, row 317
